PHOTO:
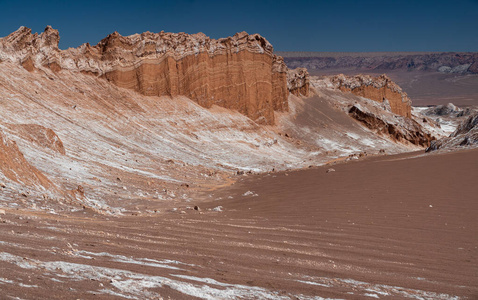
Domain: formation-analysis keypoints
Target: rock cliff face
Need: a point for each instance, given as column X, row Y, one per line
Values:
column 361, row 97
column 381, row 89
column 400, row 130
column 298, row 82
column 239, row 72
column 31, row 50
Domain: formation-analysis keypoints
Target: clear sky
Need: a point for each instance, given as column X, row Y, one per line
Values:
column 346, row 26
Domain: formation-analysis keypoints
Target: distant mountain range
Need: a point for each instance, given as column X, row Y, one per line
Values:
column 444, row 62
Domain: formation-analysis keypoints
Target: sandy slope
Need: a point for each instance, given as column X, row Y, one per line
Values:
column 391, row 227
column 124, row 171
column 131, row 153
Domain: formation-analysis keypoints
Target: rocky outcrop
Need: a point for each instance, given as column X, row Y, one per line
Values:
column 39, row 135
column 31, row 50
column 298, row 82
column 466, row 135
column 448, row 110
column 470, row 124
column 464, row 62
column 239, row 72
column 15, row 167
column 446, row 118
column 400, row 129
column 380, row 89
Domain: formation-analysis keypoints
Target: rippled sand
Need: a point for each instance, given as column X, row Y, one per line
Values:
column 386, row 227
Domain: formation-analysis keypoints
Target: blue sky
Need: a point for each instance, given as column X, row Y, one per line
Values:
column 289, row 25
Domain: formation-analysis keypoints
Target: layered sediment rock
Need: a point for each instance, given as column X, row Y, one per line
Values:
column 400, row 129
column 39, row 135
column 15, row 167
column 381, row 89
column 31, row 50
column 239, row 72
column 298, row 82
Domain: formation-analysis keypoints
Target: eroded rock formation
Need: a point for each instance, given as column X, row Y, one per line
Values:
column 15, row 167
column 466, row 135
column 400, row 130
column 448, row 110
column 39, row 135
column 380, row 89
column 298, row 82
column 239, row 72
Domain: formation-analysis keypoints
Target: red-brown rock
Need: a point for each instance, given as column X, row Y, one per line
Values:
column 239, row 72
column 15, row 167
column 298, row 82
column 379, row 88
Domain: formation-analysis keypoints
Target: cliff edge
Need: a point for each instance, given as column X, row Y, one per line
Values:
column 239, row 72
column 381, row 89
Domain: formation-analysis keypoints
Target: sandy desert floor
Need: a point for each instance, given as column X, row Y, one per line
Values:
column 385, row 227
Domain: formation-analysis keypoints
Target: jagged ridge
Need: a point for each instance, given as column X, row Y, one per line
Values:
column 446, row 62
column 380, row 89
column 239, row 72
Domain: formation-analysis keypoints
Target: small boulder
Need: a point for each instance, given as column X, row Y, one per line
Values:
column 330, row 170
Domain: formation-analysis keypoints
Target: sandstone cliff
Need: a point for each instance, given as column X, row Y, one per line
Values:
column 361, row 97
column 381, row 89
column 239, row 72
column 298, row 82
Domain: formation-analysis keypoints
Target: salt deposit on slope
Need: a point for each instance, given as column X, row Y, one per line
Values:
column 111, row 133
column 124, row 150
column 132, row 285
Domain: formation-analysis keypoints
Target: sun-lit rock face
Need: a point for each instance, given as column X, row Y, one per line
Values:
column 380, row 89
column 31, row 50
column 16, row 168
column 398, row 128
column 298, row 82
column 239, row 72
